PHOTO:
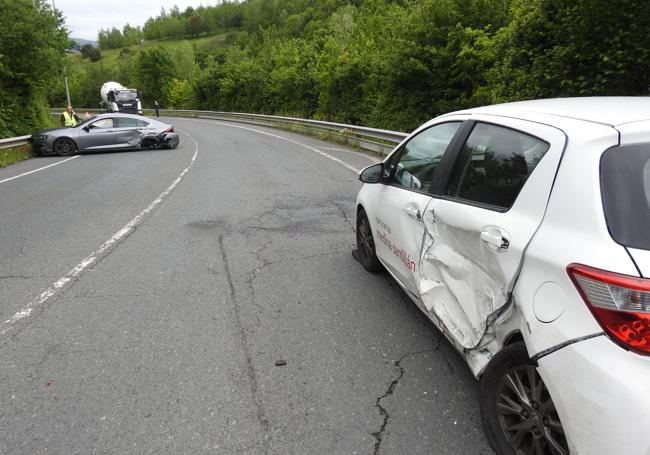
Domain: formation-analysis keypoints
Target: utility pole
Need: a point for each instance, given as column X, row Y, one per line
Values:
column 67, row 92
column 65, row 78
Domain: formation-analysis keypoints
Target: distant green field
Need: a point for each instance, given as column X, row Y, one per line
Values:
column 204, row 43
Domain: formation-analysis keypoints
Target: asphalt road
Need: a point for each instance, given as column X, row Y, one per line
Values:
column 140, row 313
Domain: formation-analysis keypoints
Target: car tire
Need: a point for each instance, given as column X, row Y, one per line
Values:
column 366, row 254
column 65, row 147
column 517, row 411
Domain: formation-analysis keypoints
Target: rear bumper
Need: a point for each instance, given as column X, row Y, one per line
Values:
column 602, row 394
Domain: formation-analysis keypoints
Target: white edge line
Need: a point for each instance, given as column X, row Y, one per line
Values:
column 309, row 147
column 95, row 255
column 39, row 169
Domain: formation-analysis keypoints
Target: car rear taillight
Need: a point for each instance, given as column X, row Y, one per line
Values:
column 169, row 130
column 620, row 304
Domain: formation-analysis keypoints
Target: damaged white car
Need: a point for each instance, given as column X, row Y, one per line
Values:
column 522, row 231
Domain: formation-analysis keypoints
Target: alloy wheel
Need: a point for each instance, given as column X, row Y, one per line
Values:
column 527, row 414
column 365, row 241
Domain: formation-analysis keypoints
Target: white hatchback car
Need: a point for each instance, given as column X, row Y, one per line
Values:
column 522, row 231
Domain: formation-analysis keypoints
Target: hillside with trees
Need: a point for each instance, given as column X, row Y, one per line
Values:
column 383, row 63
column 32, row 56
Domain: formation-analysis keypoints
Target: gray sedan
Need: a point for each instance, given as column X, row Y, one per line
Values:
column 106, row 132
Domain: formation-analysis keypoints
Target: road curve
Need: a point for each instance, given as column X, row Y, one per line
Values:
column 204, row 300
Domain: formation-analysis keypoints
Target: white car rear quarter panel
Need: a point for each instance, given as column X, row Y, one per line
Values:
column 573, row 231
column 642, row 260
column 602, row 395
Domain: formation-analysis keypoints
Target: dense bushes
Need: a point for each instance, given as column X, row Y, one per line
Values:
column 32, row 48
column 385, row 63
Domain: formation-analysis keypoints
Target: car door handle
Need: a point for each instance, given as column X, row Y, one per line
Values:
column 413, row 213
column 495, row 240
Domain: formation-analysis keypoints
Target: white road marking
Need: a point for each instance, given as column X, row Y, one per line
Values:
column 336, row 149
column 39, row 169
column 309, row 147
column 362, row 155
column 95, row 255
column 339, row 149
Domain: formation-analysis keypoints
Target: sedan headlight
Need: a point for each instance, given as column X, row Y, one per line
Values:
column 40, row 137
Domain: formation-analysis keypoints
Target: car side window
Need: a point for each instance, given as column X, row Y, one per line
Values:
column 103, row 123
column 141, row 123
column 126, row 122
column 494, row 164
column 416, row 162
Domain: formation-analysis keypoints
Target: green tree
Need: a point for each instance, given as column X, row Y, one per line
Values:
column 91, row 52
column 184, row 60
column 154, row 68
column 573, row 47
column 293, row 80
column 179, row 95
column 126, row 67
column 131, row 35
column 195, row 25
column 110, row 39
column 33, row 42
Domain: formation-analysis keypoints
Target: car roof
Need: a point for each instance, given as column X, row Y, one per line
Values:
column 611, row 111
column 117, row 114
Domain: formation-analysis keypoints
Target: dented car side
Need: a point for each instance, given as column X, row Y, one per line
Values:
column 464, row 257
column 487, row 236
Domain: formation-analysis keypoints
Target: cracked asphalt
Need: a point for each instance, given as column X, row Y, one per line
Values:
column 232, row 320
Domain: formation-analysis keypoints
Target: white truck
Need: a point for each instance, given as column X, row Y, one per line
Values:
column 117, row 98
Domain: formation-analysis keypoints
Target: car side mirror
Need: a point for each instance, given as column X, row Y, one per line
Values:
column 372, row 174
column 86, row 128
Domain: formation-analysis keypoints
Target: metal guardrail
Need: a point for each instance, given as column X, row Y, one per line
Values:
column 13, row 142
column 372, row 139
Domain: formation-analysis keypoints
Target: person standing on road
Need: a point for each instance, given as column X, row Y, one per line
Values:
column 69, row 118
column 157, row 107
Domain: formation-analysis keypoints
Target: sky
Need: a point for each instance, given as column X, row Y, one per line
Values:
column 84, row 19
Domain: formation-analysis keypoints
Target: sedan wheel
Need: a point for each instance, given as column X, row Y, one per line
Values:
column 517, row 410
column 65, row 147
column 366, row 244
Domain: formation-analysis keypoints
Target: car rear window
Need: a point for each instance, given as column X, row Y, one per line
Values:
column 625, row 182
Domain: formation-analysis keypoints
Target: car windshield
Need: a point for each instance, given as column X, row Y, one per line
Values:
column 625, row 181
column 126, row 95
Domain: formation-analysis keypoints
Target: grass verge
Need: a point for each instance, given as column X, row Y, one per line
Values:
column 15, row 154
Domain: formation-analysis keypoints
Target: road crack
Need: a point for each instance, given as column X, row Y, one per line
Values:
column 241, row 330
column 224, row 258
column 391, row 389
column 262, row 261
column 344, row 214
